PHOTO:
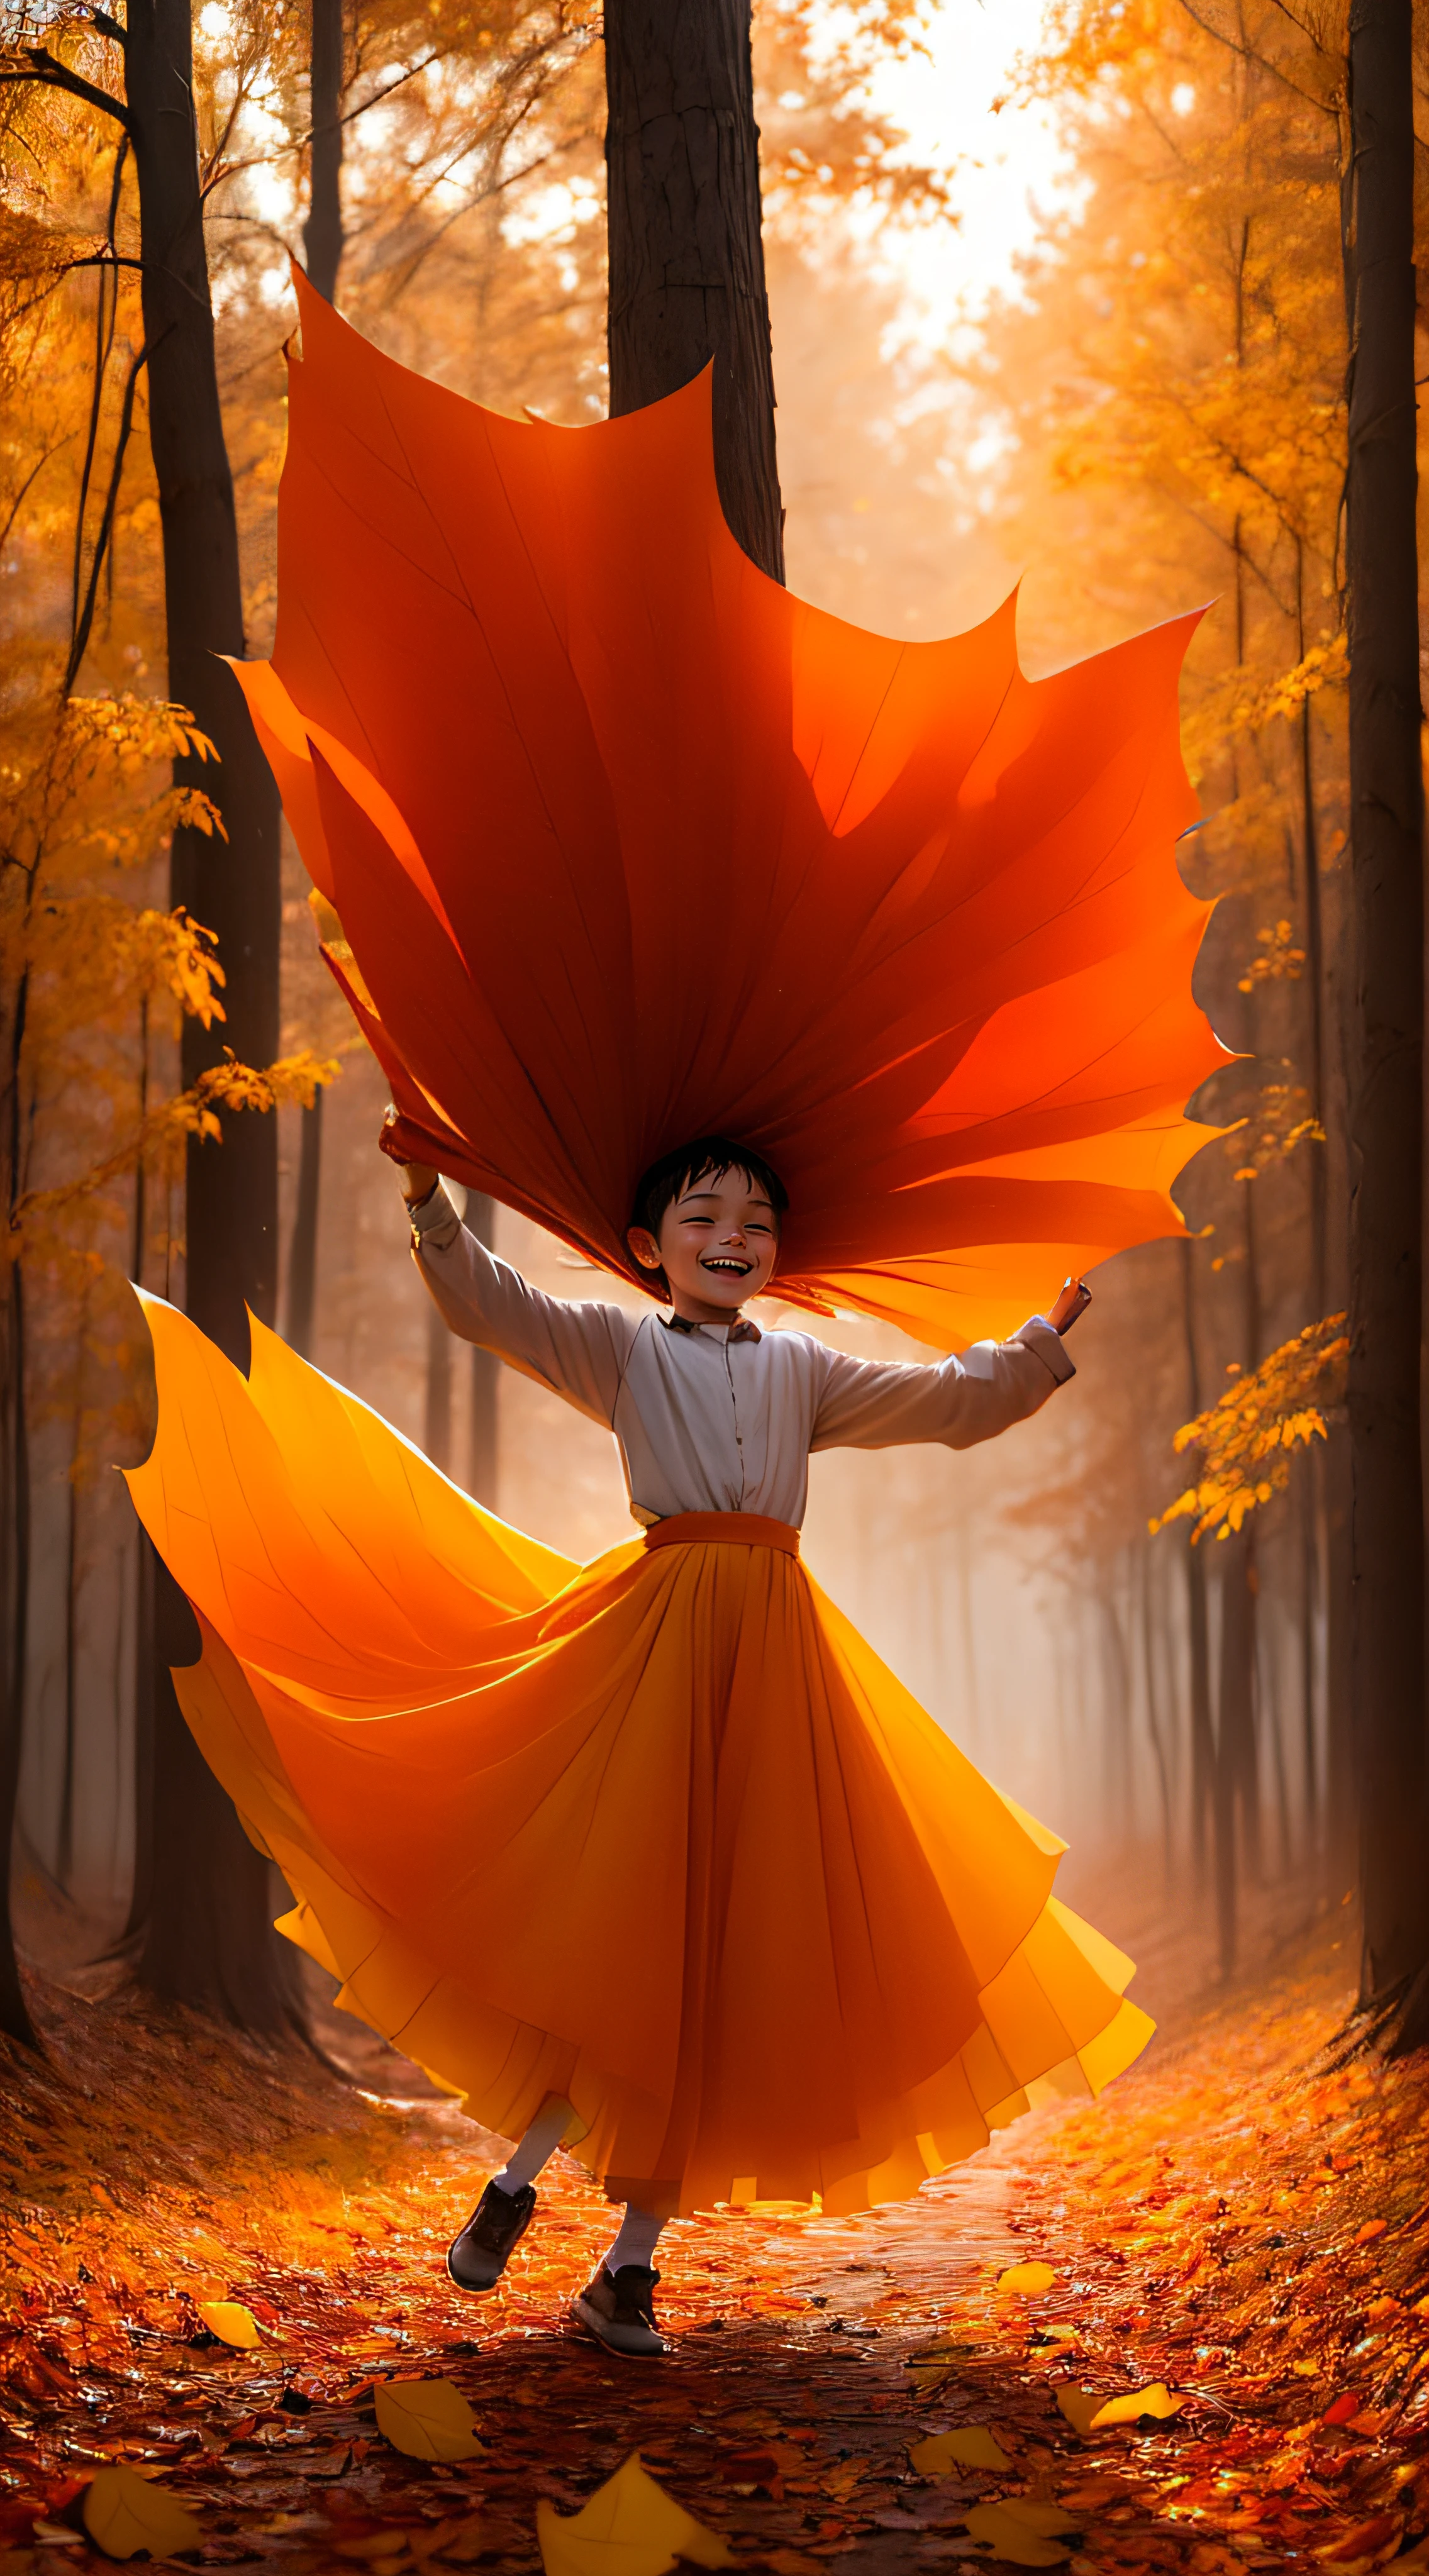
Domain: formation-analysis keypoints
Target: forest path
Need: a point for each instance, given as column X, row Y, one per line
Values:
column 1230, row 2219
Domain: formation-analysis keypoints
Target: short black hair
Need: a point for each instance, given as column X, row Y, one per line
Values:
column 669, row 1178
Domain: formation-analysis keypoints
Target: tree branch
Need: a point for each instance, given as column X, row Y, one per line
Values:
column 57, row 75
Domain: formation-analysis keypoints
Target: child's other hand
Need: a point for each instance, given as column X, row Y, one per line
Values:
column 1074, row 1297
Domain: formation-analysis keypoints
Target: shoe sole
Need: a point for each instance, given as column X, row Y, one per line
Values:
column 473, row 2289
column 657, row 2349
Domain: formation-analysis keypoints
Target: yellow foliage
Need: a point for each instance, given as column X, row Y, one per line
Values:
column 1022, row 2531
column 1246, row 1436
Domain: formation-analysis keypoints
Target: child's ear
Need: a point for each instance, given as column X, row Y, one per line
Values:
column 644, row 1246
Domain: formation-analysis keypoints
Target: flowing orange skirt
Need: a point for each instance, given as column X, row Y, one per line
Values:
column 660, row 1835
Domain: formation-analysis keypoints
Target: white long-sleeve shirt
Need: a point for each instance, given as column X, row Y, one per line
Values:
column 713, row 1419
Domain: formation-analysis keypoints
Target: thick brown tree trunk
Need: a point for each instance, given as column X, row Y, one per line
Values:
column 322, row 249
column 686, row 247
column 210, row 1940
column 1387, row 1012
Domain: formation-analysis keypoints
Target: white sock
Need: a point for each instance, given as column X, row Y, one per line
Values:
column 636, row 2240
column 537, row 2146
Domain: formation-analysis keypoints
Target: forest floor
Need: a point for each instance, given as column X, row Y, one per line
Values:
column 1239, row 2219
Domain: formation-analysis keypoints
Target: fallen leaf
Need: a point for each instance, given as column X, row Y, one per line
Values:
column 1026, row 2280
column 388, row 2543
column 629, row 2527
column 1372, row 2228
column 1340, row 2411
column 1377, row 2538
column 971, row 2447
column 429, row 2419
column 124, row 2513
column 1156, row 2400
column 1081, row 2406
column 458, row 2542
column 231, row 2322
column 1021, row 2531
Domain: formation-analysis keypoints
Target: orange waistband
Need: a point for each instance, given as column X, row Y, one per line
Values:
column 732, row 1529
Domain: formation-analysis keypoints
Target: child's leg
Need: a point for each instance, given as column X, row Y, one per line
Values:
column 536, row 2148
column 618, row 2306
column 502, row 2215
column 636, row 2240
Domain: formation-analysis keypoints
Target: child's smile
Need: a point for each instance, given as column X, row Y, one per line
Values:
column 717, row 1245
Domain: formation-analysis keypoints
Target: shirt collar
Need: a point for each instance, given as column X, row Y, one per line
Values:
column 742, row 1331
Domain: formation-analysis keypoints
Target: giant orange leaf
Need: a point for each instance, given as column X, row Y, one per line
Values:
column 629, row 845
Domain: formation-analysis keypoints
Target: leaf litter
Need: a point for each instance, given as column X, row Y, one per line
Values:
column 1228, row 2368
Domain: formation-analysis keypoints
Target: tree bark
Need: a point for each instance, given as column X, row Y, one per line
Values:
column 210, row 1940
column 322, row 248
column 1387, row 1012
column 686, row 246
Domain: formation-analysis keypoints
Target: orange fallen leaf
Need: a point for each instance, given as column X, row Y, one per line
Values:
column 1372, row 2228
column 124, row 2513
column 231, row 2322
column 1377, row 2537
column 972, row 2446
column 629, row 2527
column 1080, row 2406
column 429, row 2419
column 1026, row 2280
column 1021, row 2531
column 1342, row 2408
column 1157, row 2400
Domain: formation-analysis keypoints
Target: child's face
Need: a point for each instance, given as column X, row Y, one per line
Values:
column 717, row 1244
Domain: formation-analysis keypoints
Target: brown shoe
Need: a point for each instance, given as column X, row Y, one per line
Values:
column 619, row 2311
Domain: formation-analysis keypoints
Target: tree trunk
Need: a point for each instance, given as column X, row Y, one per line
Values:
column 1198, row 1630
column 482, row 1476
column 210, row 1939
column 437, row 1431
column 14, row 1609
column 686, row 246
column 322, row 248
column 1387, row 1011
column 322, row 233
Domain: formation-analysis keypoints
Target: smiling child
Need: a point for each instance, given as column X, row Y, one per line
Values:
column 715, row 1421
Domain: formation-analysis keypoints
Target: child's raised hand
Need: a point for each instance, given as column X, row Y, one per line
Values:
column 418, row 1179
column 1073, row 1299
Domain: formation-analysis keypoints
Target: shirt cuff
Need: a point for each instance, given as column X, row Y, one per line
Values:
column 1043, row 1338
column 434, row 1221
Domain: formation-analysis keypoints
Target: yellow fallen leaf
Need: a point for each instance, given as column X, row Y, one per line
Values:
column 1081, row 2406
column 373, row 2545
column 629, row 2527
column 124, row 2513
column 1025, row 2280
column 1156, row 2400
column 429, row 2419
column 971, row 2448
column 231, row 2322
column 1022, row 2532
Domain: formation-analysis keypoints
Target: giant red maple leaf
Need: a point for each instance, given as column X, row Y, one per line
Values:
column 628, row 845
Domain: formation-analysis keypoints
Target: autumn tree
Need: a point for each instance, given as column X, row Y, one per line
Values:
column 686, row 239
column 1387, row 1018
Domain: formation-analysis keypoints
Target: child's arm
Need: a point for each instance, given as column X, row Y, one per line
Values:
column 579, row 1351
column 867, row 1405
